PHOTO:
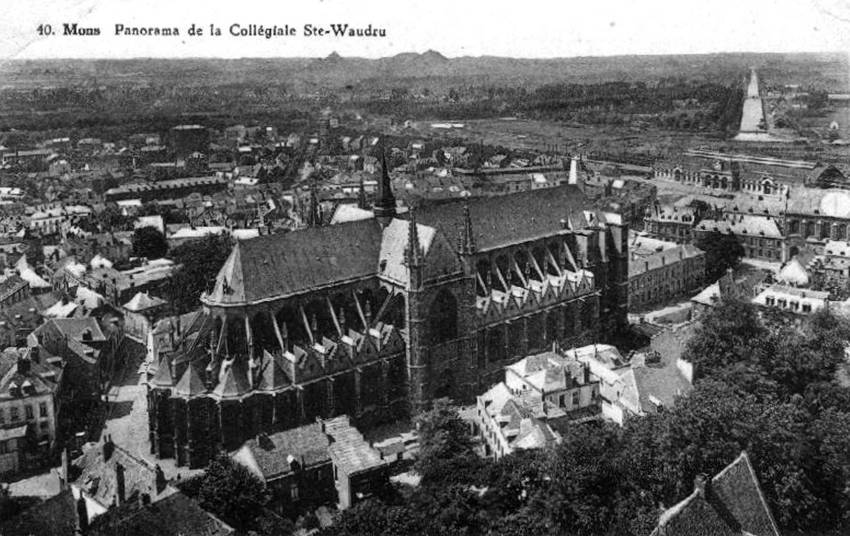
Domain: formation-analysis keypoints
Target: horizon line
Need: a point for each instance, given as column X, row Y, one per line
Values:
column 466, row 56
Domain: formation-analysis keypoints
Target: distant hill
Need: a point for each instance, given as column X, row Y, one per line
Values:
column 427, row 69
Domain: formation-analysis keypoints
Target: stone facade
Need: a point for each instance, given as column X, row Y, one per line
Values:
column 375, row 318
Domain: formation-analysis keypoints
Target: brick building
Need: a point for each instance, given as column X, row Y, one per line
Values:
column 664, row 275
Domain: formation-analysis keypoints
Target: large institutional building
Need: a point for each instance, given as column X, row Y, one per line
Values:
column 375, row 317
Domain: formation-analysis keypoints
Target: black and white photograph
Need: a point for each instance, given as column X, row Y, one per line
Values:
column 425, row 267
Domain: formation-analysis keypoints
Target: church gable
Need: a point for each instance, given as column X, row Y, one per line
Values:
column 440, row 258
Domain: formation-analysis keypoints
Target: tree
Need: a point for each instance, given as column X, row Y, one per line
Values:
column 199, row 262
column 111, row 219
column 231, row 492
column 35, row 254
column 445, row 446
column 149, row 242
column 832, row 433
column 722, row 251
column 585, row 477
column 730, row 333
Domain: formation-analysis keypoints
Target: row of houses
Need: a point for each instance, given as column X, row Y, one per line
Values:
column 543, row 394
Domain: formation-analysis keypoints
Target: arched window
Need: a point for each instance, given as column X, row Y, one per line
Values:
column 443, row 317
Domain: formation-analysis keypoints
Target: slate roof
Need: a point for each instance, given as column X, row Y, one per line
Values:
column 750, row 225
column 98, row 475
column 191, row 383
column 645, row 383
column 731, row 503
column 281, row 265
column 233, row 383
column 517, row 418
column 662, row 258
column 307, row 444
column 350, row 451
column 42, row 378
column 502, row 220
column 163, row 376
column 548, row 371
column 57, row 516
column 176, row 515
column 10, row 285
column 75, row 327
column 439, row 256
column 271, row 375
column 142, row 301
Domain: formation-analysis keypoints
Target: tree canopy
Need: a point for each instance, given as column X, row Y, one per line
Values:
column 149, row 242
column 722, row 251
column 199, row 261
column 234, row 494
column 763, row 386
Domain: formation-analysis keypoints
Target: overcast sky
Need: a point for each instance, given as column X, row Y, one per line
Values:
column 519, row 28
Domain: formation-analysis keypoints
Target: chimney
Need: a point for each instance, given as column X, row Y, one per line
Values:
column 108, row 447
column 120, row 485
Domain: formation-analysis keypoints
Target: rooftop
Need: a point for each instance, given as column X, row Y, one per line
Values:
column 730, row 503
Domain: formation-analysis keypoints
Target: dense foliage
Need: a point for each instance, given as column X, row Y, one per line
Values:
column 722, row 251
column 236, row 496
column 150, row 243
column 199, row 260
column 764, row 386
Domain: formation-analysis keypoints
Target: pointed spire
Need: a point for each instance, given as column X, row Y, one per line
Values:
column 467, row 237
column 414, row 250
column 385, row 206
column 314, row 218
